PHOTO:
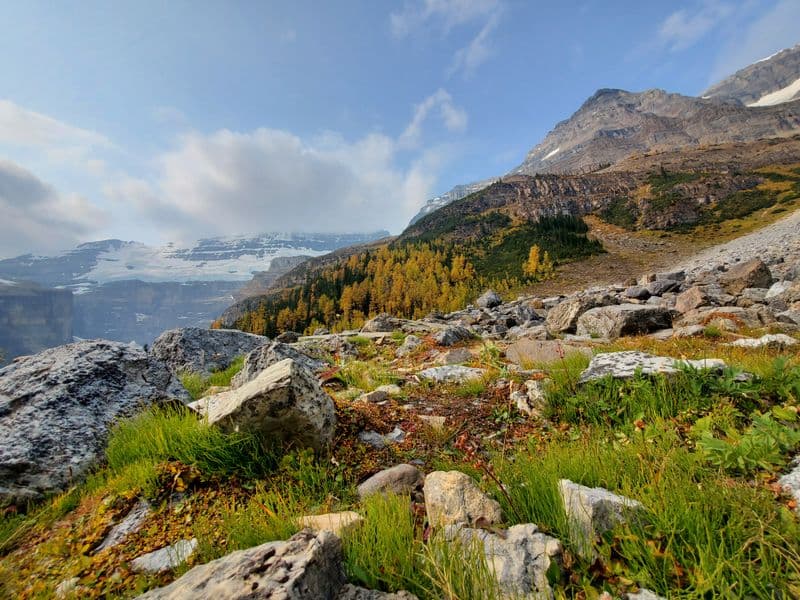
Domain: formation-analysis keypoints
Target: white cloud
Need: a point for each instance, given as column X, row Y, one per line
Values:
column 36, row 218
column 774, row 30
column 272, row 180
column 683, row 28
column 450, row 13
column 477, row 52
column 23, row 127
column 454, row 118
column 447, row 14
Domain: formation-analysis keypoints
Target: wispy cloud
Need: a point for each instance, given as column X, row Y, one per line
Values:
column 685, row 27
column 760, row 37
column 450, row 13
column 447, row 15
column 477, row 52
column 239, row 182
column 454, row 118
column 24, row 127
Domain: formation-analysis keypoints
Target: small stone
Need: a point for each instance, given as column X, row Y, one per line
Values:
column 391, row 389
column 374, row 397
column 453, row 497
column 452, row 374
column 489, row 299
column 433, row 421
column 692, row 298
column 165, row 559
column 643, row 594
column 519, row 558
column 533, row 399
column 400, row 479
column 454, row 357
column 67, row 587
column 130, row 524
column 379, row 441
column 593, row 511
column 337, row 523
column 638, row 292
column 452, row 335
column 352, row 592
column 409, row 345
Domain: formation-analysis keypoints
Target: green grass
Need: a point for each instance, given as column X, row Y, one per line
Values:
column 701, row 533
column 197, row 383
column 387, row 553
column 136, row 446
column 365, row 376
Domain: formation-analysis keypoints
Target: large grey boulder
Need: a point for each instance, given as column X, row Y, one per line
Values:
column 751, row 274
column 625, row 365
column 269, row 354
column 305, row 566
column 519, row 558
column 454, row 497
column 624, row 319
column 194, row 349
column 563, row 318
column 57, row 407
column 284, row 403
column 593, row 511
column 399, row 479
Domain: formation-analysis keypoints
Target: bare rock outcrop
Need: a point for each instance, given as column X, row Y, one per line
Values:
column 57, row 407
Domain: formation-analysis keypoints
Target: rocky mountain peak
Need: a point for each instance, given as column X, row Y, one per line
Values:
column 770, row 81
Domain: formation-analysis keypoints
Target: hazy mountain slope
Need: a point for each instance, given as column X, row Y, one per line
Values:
column 130, row 291
column 770, row 81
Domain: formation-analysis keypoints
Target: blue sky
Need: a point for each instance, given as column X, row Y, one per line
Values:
column 162, row 121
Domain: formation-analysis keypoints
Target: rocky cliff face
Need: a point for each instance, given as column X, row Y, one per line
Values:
column 757, row 102
column 33, row 318
column 457, row 193
column 770, row 81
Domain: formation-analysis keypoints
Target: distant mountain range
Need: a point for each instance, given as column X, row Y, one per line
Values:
column 129, row 291
column 757, row 102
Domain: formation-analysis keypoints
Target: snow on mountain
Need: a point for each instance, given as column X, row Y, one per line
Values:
column 786, row 94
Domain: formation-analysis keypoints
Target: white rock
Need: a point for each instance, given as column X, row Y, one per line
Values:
column 305, row 566
column 770, row 340
column 452, row 374
column 130, row 524
column 453, row 497
column 593, row 511
column 337, row 523
column 519, row 558
column 285, row 402
column 165, row 559
column 624, row 365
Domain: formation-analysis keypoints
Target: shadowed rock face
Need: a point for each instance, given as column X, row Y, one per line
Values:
column 32, row 319
column 56, row 409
